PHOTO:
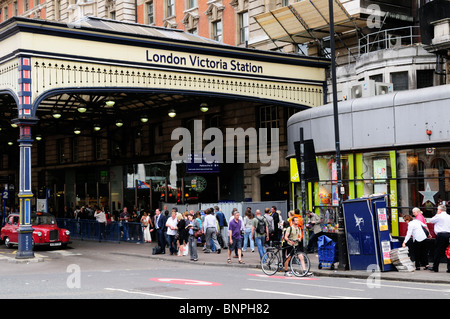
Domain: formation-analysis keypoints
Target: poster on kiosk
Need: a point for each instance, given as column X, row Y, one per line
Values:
column 367, row 232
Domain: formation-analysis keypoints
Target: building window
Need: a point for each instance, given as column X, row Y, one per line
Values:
column 400, row 81
column 377, row 77
column 75, row 149
column 15, row 8
column 98, row 148
column 150, row 12
column 191, row 4
column 61, row 151
column 425, row 78
column 217, row 30
column 268, row 118
column 170, row 8
column 6, row 13
column 57, row 10
column 26, row 5
column 243, row 26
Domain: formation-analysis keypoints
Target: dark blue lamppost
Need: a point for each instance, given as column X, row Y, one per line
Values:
column 25, row 230
column 25, row 121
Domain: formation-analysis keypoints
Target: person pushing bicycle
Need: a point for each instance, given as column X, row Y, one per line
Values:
column 292, row 237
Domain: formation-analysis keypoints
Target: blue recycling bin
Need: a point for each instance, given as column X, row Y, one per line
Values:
column 367, row 233
column 327, row 252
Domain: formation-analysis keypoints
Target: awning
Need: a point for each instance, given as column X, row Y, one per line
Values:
column 307, row 20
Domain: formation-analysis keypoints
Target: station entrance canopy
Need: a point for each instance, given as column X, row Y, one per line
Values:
column 307, row 20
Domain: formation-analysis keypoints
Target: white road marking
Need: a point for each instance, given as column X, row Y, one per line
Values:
column 285, row 293
column 142, row 293
column 306, row 284
column 382, row 285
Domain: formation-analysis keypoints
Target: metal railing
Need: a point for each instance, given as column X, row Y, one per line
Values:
column 86, row 229
column 385, row 39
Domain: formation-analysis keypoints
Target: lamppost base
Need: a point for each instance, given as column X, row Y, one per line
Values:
column 25, row 250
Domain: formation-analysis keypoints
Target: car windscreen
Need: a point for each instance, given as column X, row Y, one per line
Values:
column 43, row 220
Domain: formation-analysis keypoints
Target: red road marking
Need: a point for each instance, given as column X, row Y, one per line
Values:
column 190, row 282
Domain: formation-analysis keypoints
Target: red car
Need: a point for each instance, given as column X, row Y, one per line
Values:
column 46, row 232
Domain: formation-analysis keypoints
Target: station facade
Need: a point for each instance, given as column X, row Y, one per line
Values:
column 89, row 111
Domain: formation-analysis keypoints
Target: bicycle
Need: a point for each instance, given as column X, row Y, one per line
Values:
column 272, row 262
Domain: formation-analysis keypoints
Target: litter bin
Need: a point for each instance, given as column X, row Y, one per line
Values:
column 327, row 252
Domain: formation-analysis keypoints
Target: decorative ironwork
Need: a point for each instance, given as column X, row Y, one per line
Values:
column 51, row 74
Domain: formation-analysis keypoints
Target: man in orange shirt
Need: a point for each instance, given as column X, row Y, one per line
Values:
column 296, row 213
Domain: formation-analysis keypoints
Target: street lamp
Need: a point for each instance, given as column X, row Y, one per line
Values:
column 342, row 245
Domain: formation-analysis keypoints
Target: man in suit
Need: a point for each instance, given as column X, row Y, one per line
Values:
column 160, row 225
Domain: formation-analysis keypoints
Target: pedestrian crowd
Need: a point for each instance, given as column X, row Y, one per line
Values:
column 182, row 233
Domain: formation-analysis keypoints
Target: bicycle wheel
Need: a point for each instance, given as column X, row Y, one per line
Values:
column 269, row 263
column 300, row 264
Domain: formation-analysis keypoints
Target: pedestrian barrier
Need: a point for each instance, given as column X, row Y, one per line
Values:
column 86, row 229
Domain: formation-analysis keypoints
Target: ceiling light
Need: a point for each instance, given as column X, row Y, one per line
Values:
column 97, row 127
column 56, row 115
column 77, row 130
column 144, row 119
column 119, row 123
column 13, row 125
column 204, row 107
column 82, row 109
column 10, row 143
column 38, row 137
column 110, row 103
column 172, row 113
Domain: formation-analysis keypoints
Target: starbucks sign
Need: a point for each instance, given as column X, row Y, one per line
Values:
column 198, row 183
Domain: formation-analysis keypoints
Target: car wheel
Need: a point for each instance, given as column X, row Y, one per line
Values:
column 7, row 243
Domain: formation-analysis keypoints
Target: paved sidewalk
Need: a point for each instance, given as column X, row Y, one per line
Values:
column 251, row 261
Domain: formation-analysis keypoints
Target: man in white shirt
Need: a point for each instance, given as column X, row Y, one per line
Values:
column 101, row 220
column 441, row 223
column 210, row 229
column 172, row 230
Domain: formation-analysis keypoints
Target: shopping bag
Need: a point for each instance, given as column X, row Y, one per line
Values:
column 447, row 252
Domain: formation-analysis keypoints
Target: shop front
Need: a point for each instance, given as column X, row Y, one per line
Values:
column 411, row 167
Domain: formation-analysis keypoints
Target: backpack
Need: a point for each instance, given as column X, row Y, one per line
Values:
column 261, row 226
